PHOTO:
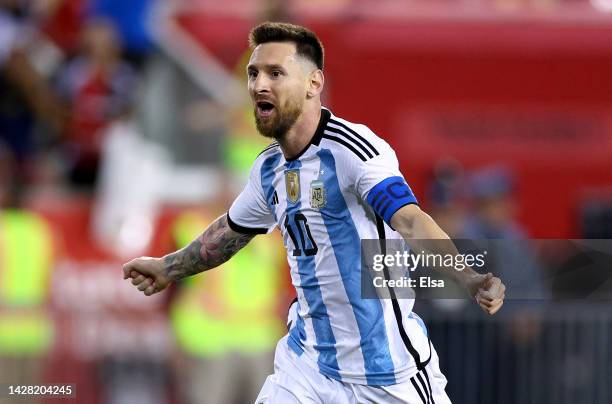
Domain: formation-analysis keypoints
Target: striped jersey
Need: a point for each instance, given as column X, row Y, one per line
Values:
column 343, row 187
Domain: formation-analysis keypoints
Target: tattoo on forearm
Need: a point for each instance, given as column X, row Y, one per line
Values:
column 216, row 245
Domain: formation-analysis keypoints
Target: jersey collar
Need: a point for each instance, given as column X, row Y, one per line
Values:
column 316, row 139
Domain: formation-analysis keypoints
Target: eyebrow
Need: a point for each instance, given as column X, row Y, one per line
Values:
column 268, row 67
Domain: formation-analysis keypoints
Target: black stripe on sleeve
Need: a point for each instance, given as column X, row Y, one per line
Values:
column 335, row 122
column 416, row 387
column 347, row 136
column 345, row 144
column 244, row 230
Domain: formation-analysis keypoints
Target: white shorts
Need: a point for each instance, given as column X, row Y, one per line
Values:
column 294, row 381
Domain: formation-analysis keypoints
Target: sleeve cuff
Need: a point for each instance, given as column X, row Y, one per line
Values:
column 242, row 229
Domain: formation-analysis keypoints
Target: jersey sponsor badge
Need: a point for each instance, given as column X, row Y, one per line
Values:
column 292, row 184
column 317, row 195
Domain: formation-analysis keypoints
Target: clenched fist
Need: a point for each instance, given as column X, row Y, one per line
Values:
column 147, row 274
column 487, row 290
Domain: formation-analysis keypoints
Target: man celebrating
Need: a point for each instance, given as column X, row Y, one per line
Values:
column 326, row 183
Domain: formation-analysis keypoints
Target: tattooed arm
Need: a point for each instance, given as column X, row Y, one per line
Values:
column 212, row 248
column 216, row 245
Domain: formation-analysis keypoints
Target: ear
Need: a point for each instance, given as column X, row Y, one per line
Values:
column 316, row 82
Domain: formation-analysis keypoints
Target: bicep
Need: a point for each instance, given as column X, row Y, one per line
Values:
column 413, row 223
column 381, row 184
column 403, row 219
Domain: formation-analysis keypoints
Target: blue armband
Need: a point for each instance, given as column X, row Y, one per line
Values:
column 389, row 195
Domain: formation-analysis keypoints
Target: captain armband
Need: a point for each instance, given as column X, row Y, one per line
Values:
column 389, row 195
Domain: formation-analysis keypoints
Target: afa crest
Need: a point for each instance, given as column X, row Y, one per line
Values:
column 292, row 185
column 317, row 195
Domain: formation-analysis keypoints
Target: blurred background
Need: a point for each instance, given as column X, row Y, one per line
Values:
column 125, row 128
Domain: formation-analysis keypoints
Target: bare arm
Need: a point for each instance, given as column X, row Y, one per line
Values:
column 212, row 248
column 414, row 225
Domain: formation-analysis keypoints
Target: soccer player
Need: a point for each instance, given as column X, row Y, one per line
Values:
column 326, row 183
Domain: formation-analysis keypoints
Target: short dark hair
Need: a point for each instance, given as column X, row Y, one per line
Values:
column 307, row 43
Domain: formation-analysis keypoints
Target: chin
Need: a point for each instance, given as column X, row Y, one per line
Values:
column 266, row 130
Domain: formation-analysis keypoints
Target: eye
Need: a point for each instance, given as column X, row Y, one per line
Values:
column 252, row 74
column 277, row 73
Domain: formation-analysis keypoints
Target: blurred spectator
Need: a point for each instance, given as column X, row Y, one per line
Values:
column 227, row 320
column 63, row 22
column 8, row 167
column 494, row 210
column 448, row 208
column 131, row 19
column 596, row 216
column 98, row 87
column 479, row 206
column 28, row 107
column 447, row 199
column 26, row 257
column 494, row 218
column 513, row 260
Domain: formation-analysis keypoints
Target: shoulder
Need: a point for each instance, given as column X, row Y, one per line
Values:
column 356, row 141
column 269, row 155
column 268, row 151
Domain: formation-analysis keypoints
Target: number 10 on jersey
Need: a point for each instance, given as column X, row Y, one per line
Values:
column 297, row 227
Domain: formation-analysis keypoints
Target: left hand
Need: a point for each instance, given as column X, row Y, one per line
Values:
column 488, row 290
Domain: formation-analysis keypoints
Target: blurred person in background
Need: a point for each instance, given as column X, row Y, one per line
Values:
column 130, row 19
column 510, row 256
column 227, row 322
column 63, row 23
column 476, row 206
column 447, row 206
column 493, row 213
column 26, row 259
column 493, row 216
column 30, row 114
column 447, row 198
column 97, row 87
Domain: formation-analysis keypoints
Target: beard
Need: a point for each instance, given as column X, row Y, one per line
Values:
column 277, row 125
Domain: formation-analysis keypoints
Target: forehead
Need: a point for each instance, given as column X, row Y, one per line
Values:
column 273, row 53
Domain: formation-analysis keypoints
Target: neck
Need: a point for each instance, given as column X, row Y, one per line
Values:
column 302, row 132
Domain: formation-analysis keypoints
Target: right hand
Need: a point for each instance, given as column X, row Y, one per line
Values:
column 147, row 274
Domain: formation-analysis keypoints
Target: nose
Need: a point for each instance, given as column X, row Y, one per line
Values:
column 261, row 84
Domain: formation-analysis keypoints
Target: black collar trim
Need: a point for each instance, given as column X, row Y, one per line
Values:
column 316, row 139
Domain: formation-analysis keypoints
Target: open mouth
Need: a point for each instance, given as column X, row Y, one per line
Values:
column 265, row 108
